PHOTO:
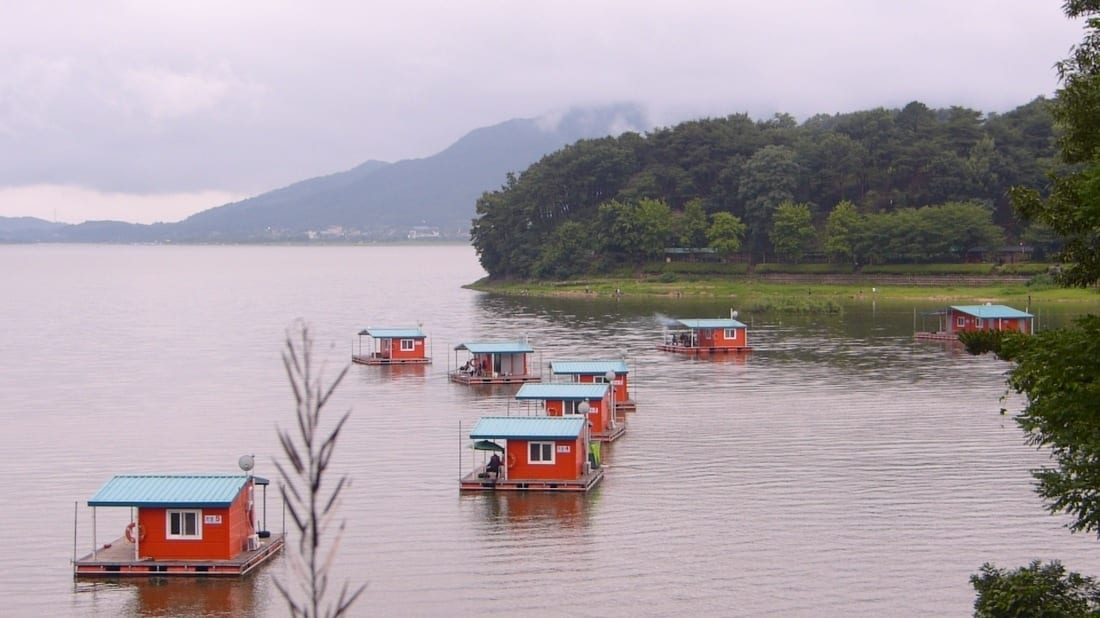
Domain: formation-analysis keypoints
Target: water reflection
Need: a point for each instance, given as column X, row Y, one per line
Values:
column 388, row 373
column 729, row 358
column 182, row 596
column 532, row 510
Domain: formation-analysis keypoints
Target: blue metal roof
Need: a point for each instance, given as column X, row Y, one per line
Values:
column 711, row 323
column 183, row 490
column 563, row 391
column 588, row 368
column 393, row 333
column 528, row 427
column 511, row 347
column 991, row 312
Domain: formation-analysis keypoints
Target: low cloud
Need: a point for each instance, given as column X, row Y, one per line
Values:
column 69, row 204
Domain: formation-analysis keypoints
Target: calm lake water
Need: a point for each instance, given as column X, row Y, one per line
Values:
column 842, row 470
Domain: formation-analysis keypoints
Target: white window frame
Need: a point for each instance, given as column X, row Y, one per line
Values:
column 978, row 323
column 731, row 334
column 196, row 513
column 544, row 447
column 960, row 322
column 569, row 406
column 408, row 345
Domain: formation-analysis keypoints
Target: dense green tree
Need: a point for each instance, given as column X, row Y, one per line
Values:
column 1034, row 591
column 769, row 178
column 725, row 233
column 792, row 232
column 1073, row 208
column 1059, row 373
column 691, row 226
column 655, row 222
column 883, row 160
column 833, row 164
column 930, row 233
column 871, row 238
column 631, row 233
column 1043, row 240
column 840, row 231
column 962, row 129
column 960, row 227
column 569, row 252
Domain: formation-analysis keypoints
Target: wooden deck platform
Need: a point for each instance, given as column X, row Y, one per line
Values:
column 478, row 481
column 375, row 359
column 701, row 350
column 117, row 560
column 610, row 436
column 465, row 378
column 626, row 405
column 936, row 336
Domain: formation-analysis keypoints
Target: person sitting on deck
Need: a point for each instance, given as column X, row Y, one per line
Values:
column 493, row 467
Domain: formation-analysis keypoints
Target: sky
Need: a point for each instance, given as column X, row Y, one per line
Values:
column 148, row 110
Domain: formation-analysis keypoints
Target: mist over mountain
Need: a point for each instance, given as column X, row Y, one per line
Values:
column 433, row 196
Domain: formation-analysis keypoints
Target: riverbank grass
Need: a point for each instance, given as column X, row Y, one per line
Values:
column 750, row 291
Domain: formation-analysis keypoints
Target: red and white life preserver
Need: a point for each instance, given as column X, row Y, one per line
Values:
column 130, row 536
column 511, row 461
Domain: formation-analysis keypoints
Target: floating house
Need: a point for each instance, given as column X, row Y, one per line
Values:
column 494, row 363
column 392, row 346
column 181, row 524
column 705, row 336
column 592, row 401
column 614, row 372
column 539, row 453
column 970, row 318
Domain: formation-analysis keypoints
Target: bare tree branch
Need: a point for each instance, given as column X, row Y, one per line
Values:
column 310, row 455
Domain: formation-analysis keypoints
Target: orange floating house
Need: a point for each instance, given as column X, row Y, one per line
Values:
column 706, row 336
column 392, row 346
column 614, row 372
column 540, row 453
column 592, row 401
column 494, row 363
column 198, row 525
column 970, row 318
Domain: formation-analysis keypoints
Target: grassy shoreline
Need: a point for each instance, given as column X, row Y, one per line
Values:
column 752, row 290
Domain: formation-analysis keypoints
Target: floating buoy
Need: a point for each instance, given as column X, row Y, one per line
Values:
column 130, row 532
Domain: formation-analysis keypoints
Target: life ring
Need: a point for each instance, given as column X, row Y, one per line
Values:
column 130, row 532
column 511, row 461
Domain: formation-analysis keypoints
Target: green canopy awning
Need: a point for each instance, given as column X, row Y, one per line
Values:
column 487, row 445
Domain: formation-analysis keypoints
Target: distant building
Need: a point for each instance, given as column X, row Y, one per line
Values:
column 691, row 254
column 423, row 231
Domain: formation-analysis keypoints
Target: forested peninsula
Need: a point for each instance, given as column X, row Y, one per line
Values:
column 877, row 187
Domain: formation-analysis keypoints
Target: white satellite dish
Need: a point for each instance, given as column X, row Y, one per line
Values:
column 247, row 462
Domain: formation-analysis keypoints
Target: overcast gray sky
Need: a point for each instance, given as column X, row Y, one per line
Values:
column 148, row 111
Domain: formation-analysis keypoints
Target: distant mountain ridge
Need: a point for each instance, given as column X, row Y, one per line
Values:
column 372, row 201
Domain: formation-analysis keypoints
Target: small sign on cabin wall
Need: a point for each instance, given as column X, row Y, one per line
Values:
column 212, row 519
column 563, row 448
